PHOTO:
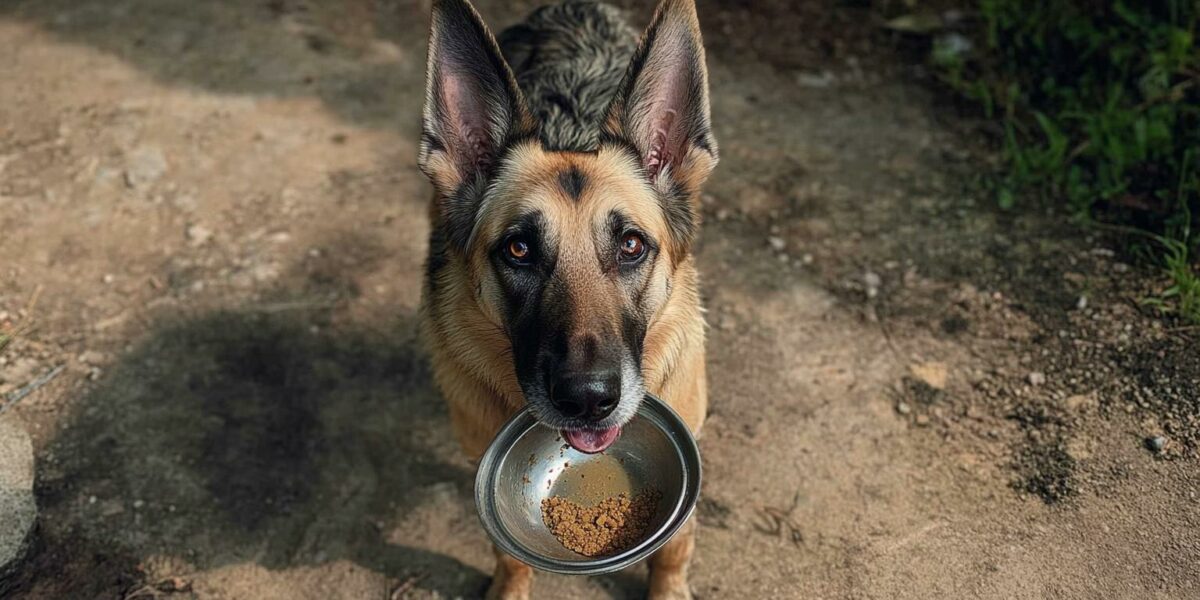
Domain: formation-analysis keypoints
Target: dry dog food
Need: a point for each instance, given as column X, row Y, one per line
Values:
column 609, row 527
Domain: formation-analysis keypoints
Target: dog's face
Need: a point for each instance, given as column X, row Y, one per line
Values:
column 571, row 254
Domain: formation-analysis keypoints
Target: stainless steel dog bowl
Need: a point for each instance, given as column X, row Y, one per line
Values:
column 528, row 462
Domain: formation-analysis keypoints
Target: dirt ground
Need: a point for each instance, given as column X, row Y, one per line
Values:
column 210, row 213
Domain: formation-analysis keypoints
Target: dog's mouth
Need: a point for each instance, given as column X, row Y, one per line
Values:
column 591, row 441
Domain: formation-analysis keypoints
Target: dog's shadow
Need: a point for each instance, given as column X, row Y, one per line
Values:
column 241, row 437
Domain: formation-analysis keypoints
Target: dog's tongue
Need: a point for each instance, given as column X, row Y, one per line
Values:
column 591, row 441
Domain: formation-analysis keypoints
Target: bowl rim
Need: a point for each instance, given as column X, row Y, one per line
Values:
column 664, row 418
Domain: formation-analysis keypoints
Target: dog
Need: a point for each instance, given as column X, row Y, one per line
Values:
column 566, row 160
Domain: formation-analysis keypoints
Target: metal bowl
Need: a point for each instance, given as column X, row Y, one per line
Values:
column 528, row 462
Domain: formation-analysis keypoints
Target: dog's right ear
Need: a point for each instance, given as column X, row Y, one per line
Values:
column 472, row 102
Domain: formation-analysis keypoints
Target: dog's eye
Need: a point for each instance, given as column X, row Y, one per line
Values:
column 518, row 251
column 633, row 248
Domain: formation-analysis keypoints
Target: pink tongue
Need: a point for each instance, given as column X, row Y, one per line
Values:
column 590, row 441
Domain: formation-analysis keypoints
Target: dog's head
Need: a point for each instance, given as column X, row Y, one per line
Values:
column 571, row 255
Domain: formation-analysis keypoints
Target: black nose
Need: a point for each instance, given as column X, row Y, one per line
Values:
column 591, row 396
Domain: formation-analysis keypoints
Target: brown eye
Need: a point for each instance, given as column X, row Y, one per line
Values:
column 519, row 251
column 633, row 248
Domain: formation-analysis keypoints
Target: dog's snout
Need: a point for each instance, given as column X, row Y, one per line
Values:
column 589, row 396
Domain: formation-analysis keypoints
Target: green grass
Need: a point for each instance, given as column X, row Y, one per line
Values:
column 1099, row 102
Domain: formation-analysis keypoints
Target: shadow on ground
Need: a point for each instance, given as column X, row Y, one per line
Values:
column 334, row 51
column 242, row 437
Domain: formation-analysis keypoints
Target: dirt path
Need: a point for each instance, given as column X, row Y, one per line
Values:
column 212, row 215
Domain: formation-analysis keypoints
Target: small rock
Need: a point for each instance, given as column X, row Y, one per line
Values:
column 1082, row 303
column 723, row 214
column 1037, row 378
column 932, row 373
column 1080, row 402
column 872, row 281
column 777, row 243
column 820, row 80
column 922, row 420
column 1156, row 443
column 144, row 166
column 138, row 504
column 903, row 408
column 198, row 235
column 18, row 509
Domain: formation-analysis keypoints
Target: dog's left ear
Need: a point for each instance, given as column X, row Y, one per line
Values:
column 662, row 104
column 472, row 102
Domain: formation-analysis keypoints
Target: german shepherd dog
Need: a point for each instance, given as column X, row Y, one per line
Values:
column 566, row 161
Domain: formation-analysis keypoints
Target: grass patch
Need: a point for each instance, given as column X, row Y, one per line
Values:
column 1099, row 105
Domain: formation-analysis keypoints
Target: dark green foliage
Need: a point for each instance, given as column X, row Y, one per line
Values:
column 1100, row 106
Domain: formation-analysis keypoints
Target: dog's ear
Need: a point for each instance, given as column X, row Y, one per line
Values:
column 472, row 102
column 662, row 104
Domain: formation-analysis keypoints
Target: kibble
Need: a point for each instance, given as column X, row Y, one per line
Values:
column 609, row 527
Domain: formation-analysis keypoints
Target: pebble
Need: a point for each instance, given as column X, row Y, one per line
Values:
column 144, row 166
column 872, row 280
column 1037, row 378
column 198, row 235
column 777, row 243
column 903, row 408
column 1156, row 443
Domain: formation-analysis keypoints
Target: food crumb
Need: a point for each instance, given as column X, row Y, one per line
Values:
column 609, row 527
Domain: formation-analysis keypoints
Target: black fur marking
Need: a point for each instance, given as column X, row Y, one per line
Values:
column 569, row 59
column 573, row 182
column 437, row 259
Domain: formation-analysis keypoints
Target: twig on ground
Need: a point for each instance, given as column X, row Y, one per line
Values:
column 33, row 300
column 170, row 585
column 18, row 394
column 405, row 586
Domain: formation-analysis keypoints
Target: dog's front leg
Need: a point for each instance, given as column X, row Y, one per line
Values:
column 668, row 566
column 512, row 579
